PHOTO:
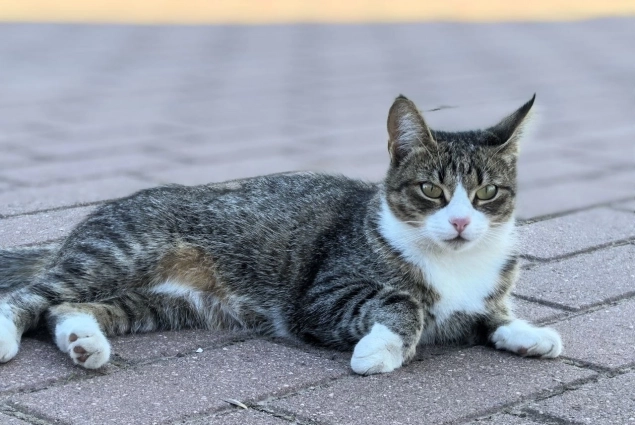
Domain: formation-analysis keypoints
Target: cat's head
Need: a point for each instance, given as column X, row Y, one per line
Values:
column 451, row 190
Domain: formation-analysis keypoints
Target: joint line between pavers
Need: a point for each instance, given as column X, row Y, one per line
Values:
column 546, row 303
column 573, row 312
column 559, row 214
column 612, row 244
column 547, row 419
column 19, row 412
column 61, row 208
column 530, row 398
column 288, row 416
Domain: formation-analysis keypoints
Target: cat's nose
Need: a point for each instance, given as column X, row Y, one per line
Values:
column 460, row 223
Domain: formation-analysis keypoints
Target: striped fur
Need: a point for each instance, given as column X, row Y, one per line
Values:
column 325, row 259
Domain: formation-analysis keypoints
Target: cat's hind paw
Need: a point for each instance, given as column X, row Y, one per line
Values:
column 524, row 339
column 9, row 341
column 380, row 351
column 81, row 337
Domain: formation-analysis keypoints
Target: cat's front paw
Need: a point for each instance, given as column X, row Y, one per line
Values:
column 522, row 338
column 81, row 337
column 9, row 340
column 380, row 351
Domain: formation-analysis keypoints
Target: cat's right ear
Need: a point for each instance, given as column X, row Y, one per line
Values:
column 407, row 130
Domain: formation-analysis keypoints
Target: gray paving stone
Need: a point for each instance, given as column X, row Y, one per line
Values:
column 628, row 206
column 503, row 419
column 42, row 227
column 37, row 365
column 68, row 194
column 542, row 171
column 201, row 174
column 12, row 159
column 609, row 401
column 440, row 389
column 575, row 232
column 141, row 347
column 240, row 417
column 605, row 337
column 82, row 169
column 583, row 280
column 535, row 312
column 9, row 420
column 6, row 185
column 178, row 388
column 568, row 196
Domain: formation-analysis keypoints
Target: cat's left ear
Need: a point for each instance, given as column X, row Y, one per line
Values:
column 506, row 134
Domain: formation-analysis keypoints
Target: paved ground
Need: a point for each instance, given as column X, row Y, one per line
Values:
column 89, row 114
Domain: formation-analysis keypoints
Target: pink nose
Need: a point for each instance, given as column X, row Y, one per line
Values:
column 460, row 223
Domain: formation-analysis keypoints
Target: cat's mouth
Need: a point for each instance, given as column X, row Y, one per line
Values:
column 456, row 242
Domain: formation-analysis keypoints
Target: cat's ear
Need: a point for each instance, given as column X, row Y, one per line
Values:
column 506, row 134
column 406, row 130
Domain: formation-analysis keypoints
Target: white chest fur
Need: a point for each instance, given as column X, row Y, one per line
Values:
column 462, row 279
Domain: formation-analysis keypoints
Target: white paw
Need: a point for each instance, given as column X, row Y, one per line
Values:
column 522, row 338
column 80, row 336
column 380, row 351
column 9, row 340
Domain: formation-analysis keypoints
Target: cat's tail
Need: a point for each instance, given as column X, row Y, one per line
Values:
column 21, row 265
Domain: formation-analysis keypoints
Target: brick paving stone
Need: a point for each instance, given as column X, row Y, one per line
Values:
column 605, row 337
column 82, row 169
column 67, row 194
column 177, row 388
column 609, row 401
column 440, row 389
column 9, row 420
column 6, row 185
column 583, row 280
column 152, row 345
column 567, row 196
column 575, row 232
column 241, row 417
column 97, row 141
column 37, row 365
column 503, row 419
column 545, row 171
column 208, row 173
column 534, row 312
column 42, row 227
column 628, row 206
column 12, row 159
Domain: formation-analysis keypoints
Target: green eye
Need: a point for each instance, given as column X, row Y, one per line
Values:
column 431, row 190
column 487, row 192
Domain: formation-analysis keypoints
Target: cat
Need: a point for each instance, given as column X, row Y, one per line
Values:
column 427, row 256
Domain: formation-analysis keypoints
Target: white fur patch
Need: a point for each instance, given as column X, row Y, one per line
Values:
column 213, row 312
column 90, row 340
column 463, row 278
column 173, row 289
column 523, row 338
column 9, row 338
column 380, row 351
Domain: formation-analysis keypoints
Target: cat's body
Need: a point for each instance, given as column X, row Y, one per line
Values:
column 321, row 258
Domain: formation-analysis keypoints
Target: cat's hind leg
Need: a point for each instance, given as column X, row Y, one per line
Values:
column 81, row 329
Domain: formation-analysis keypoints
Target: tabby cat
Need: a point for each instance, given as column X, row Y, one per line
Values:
column 426, row 256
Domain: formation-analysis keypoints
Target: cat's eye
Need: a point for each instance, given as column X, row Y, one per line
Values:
column 487, row 192
column 431, row 190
